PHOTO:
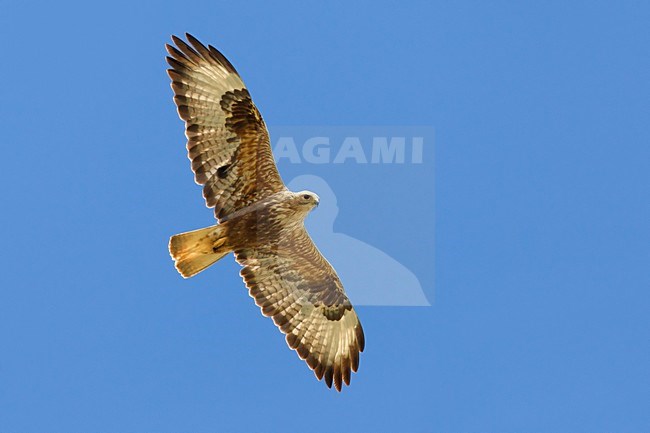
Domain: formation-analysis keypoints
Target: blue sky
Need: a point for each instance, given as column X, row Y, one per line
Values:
column 528, row 227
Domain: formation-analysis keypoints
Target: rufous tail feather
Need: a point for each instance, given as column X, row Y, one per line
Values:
column 196, row 250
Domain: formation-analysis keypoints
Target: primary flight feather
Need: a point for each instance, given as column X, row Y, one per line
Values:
column 260, row 220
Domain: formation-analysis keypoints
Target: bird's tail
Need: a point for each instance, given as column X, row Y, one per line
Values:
column 196, row 250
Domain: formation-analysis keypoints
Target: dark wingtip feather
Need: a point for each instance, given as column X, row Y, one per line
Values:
column 188, row 52
column 192, row 39
column 354, row 361
column 176, row 39
column 195, row 42
column 197, row 51
column 337, row 377
column 175, row 53
column 347, row 375
column 345, row 368
column 218, row 56
column 176, row 64
column 329, row 375
column 360, row 337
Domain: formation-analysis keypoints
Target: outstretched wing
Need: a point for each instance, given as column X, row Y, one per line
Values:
column 227, row 140
column 293, row 283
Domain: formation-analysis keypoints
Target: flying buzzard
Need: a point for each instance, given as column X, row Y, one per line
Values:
column 260, row 220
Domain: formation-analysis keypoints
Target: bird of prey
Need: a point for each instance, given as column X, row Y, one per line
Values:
column 259, row 219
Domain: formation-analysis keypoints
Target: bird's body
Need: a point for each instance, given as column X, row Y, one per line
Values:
column 267, row 224
column 260, row 220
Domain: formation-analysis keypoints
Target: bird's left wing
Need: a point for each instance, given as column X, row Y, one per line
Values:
column 293, row 283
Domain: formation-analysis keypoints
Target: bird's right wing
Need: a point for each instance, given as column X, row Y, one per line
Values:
column 227, row 140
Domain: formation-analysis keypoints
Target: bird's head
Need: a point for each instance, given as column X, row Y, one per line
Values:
column 306, row 200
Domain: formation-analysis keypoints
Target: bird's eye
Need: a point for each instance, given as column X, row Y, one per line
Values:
column 306, row 197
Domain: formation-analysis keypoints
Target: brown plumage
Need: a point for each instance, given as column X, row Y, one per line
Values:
column 260, row 221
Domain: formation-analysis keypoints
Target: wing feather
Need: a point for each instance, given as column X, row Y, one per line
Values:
column 227, row 141
column 294, row 284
